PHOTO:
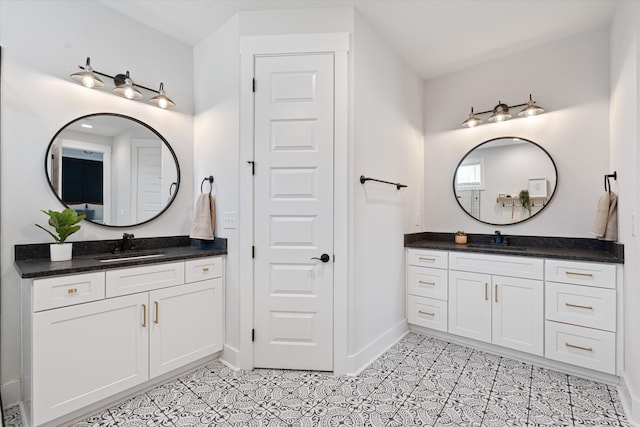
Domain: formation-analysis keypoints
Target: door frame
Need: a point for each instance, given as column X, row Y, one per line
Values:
column 250, row 47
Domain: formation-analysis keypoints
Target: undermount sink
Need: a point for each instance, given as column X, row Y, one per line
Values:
column 497, row 247
column 129, row 256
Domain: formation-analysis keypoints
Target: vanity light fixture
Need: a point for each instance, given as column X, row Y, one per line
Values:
column 500, row 113
column 125, row 88
column 472, row 120
column 86, row 77
column 162, row 100
column 124, row 85
column 532, row 109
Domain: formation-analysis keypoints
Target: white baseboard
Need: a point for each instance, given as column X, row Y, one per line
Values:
column 360, row 360
column 230, row 357
column 11, row 393
column 630, row 402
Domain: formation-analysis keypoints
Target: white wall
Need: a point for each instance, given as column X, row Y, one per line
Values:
column 388, row 145
column 570, row 79
column 216, row 147
column 43, row 42
column 625, row 158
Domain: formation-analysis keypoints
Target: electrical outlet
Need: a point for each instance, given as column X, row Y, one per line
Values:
column 229, row 220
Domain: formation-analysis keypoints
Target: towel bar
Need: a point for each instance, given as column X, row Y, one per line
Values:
column 364, row 179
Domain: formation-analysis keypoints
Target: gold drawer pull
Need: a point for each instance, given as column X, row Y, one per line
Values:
column 496, row 294
column 157, row 317
column 426, row 259
column 578, row 347
column 426, row 312
column 575, row 273
column 144, row 315
column 486, row 292
column 422, row 282
column 72, row 291
column 586, row 307
column 205, row 269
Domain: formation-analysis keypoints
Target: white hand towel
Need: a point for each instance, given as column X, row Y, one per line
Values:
column 599, row 226
column 605, row 225
column 204, row 218
column 612, row 220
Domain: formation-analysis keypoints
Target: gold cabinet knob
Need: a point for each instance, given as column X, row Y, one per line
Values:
column 205, row 269
column 72, row 291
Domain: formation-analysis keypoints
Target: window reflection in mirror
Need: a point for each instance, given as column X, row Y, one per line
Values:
column 489, row 178
column 113, row 168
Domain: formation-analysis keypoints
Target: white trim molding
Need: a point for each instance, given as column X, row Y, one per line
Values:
column 630, row 401
column 250, row 47
column 363, row 358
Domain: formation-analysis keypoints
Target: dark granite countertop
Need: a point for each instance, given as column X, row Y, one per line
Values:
column 578, row 249
column 32, row 261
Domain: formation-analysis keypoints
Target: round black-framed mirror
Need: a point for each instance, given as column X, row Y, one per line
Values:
column 114, row 168
column 505, row 180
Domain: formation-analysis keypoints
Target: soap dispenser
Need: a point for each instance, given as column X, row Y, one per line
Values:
column 498, row 238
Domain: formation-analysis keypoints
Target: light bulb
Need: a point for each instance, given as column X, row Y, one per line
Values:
column 162, row 103
column 88, row 81
column 128, row 93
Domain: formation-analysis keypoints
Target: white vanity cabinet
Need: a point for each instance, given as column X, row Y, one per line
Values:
column 185, row 320
column 427, row 288
column 92, row 336
column 561, row 310
column 581, row 314
column 497, row 299
column 87, row 352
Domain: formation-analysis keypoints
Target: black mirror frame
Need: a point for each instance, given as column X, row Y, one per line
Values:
column 175, row 159
column 555, row 168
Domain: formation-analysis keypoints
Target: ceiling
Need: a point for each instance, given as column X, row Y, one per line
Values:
column 435, row 37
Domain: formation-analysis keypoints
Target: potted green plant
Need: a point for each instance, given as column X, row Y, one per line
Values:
column 65, row 224
column 460, row 237
column 525, row 200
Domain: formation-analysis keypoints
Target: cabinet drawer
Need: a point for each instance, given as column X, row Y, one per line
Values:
column 203, row 269
column 512, row 266
column 145, row 278
column 581, row 305
column 427, row 312
column 589, row 348
column 426, row 258
column 427, row 282
column 581, row 273
column 63, row 291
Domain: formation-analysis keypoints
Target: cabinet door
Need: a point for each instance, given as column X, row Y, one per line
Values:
column 518, row 314
column 186, row 324
column 87, row 352
column 470, row 305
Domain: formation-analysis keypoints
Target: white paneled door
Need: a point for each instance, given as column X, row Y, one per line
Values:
column 294, row 144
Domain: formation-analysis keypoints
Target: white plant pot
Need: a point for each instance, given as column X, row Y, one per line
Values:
column 61, row 252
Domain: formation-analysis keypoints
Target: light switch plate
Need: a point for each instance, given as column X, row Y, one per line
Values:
column 229, row 220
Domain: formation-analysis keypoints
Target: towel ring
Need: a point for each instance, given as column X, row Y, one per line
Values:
column 210, row 179
column 171, row 187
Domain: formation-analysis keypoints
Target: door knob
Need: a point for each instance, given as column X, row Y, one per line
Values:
column 323, row 258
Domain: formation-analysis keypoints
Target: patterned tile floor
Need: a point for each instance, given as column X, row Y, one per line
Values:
column 421, row 381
